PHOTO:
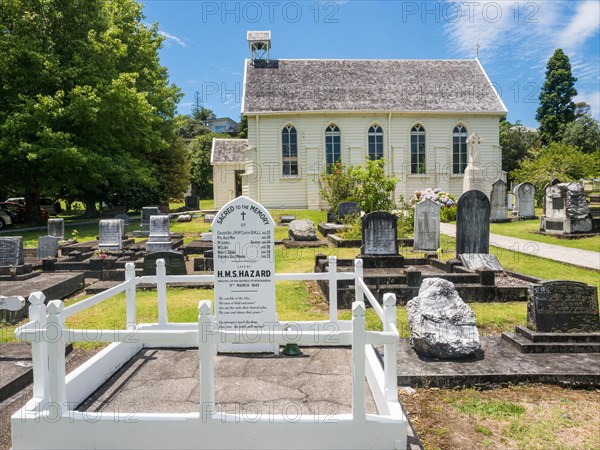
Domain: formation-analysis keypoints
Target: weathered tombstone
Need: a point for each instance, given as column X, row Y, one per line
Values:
column 473, row 223
column 208, row 218
column 442, row 325
column 160, row 235
column 563, row 307
column 427, row 225
column 302, row 230
column 546, row 186
column 147, row 212
column 207, row 237
column 124, row 217
column 192, row 202
column 481, row 261
column 379, row 234
column 244, row 267
column 111, row 235
column 174, row 263
column 524, row 207
column 566, row 210
column 499, row 202
column 346, row 209
column 184, row 218
column 11, row 251
column 47, row 247
column 56, row 228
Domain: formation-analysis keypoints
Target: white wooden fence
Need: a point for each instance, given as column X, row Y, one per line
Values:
column 50, row 420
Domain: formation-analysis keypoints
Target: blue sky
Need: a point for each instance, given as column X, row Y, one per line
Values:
column 206, row 45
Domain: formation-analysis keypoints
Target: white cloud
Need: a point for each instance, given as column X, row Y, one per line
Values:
column 584, row 24
column 172, row 38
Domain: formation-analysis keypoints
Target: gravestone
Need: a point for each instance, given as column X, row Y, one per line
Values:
column 147, row 212
column 524, row 207
column 379, row 234
column 160, row 235
column 302, row 230
column 427, row 225
column 566, row 210
column 47, row 247
column 244, row 265
column 56, row 228
column 11, row 251
column 546, row 186
column 563, row 307
column 480, row 261
column 111, row 235
column 473, row 176
column 473, row 223
column 346, row 209
column 208, row 218
column 192, row 202
column 174, row 263
column 498, row 202
column 125, row 218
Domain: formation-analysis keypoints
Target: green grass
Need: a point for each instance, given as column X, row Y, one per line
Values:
column 525, row 230
column 493, row 409
column 535, row 266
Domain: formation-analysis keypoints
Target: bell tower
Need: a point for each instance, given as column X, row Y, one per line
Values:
column 259, row 43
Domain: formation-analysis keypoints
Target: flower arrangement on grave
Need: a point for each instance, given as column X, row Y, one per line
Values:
column 101, row 254
column 446, row 201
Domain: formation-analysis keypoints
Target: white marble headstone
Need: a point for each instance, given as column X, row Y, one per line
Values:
column 56, row 228
column 111, row 235
column 160, row 235
column 244, row 265
column 427, row 226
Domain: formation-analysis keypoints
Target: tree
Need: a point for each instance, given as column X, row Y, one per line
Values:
column 556, row 108
column 200, row 112
column 584, row 133
column 556, row 160
column 515, row 140
column 582, row 109
column 201, row 170
column 188, row 127
column 85, row 106
column 243, row 133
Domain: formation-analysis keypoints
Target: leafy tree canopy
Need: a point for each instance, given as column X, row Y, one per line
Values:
column 584, row 133
column 515, row 140
column 85, row 106
column 201, row 170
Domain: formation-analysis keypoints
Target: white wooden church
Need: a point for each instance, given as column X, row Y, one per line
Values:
column 306, row 114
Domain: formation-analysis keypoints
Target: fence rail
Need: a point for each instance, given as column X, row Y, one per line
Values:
column 48, row 335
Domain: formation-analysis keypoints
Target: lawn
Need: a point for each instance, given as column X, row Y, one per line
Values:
column 525, row 229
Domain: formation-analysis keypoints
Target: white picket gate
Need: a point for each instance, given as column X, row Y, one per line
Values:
column 50, row 418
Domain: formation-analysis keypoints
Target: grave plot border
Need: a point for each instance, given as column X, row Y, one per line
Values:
column 50, row 418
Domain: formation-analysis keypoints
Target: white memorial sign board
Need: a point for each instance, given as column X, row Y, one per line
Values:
column 244, row 265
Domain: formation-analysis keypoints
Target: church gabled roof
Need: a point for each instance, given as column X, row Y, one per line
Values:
column 228, row 150
column 427, row 86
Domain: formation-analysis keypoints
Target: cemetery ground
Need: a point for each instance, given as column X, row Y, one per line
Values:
column 517, row 416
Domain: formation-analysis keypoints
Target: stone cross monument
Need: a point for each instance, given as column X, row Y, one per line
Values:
column 473, row 172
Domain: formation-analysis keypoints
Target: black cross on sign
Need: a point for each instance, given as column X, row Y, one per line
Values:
column 243, row 215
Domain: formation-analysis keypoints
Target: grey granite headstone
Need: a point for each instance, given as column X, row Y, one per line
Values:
column 192, row 202
column 147, row 212
column 480, row 261
column 563, row 307
column 11, row 251
column 427, row 225
column 56, row 228
column 348, row 209
column 124, row 217
column 174, row 263
column 499, row 202
column 111, row 235
column 160, row 236
column 379, row 234
column 473, row 223
column 524, row 200
column 47, row 247
column 566, row 209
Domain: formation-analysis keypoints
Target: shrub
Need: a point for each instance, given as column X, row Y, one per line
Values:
column 446, row 201
column 337, row 185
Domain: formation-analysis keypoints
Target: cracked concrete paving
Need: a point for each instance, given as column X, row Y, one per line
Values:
column 167, row 380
